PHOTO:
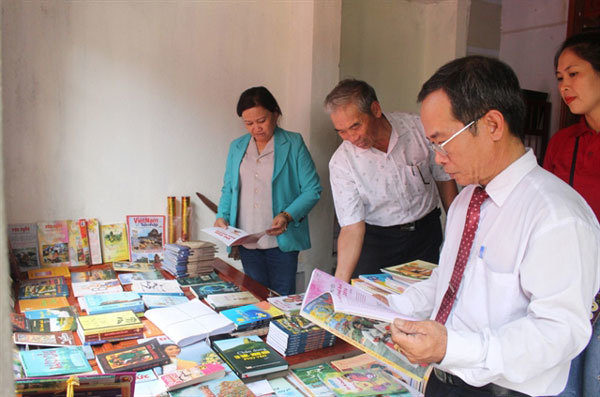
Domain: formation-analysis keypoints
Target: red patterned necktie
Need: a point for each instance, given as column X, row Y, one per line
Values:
column 464, row 249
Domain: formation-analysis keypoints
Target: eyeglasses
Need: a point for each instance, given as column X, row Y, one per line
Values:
column 439, row 147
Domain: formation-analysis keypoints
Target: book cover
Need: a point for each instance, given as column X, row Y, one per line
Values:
column 283, row 388
column 221, row 287
column 106, row 322
column 54, row 361
column 361, row 382
column 113, row 302
column 156, row 287
column 53, row 339
column 110, row 385
column 156, row 301
column 411, row 272
column 67, row 311
column 19, row 322
column 249, row 356
column 93, row 275
column 43, row 303
column 61, row 271
column 191, row 376
column 126, row 266
column 96, row 287
column 232, row 236
column 245, row 316
column 209, row 278
column 113, row 239
column 34, row 291
column 22, row 239
column 127, row 278
column 93, row 229
column 139, row 357
column 53, row 324
column 53, row 243
column 289, row 304
column 229, row 300
column 44, row 281
column 308, row 378
column 146, row 237
column 79, row 247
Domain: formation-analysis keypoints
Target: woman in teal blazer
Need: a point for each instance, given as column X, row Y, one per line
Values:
column 270, row 184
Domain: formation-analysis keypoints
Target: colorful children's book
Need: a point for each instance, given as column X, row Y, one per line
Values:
column 55, row 361
column 146, row 237
column 307, row 379
column 43, row 303
column 79, row 247
column 34, row 291
column 135, row 358
column 156, row 287
column 113, row 238
column 67, row 311
column 93, row 275
column 289, row 304
column 191, row 376
column 208, row 278
column 255, row 315
column 61, row 271
column 221, row 287
column 54, row 339
column 127, row 278
column 411, row 272
column 189, row 322
column 22, row 239
column 126, row 266
column 96, row 287
column 53, row 243
column 112, row 302
column 249, row 356
column 156, row 301
column 361, row 382
column 93, row 228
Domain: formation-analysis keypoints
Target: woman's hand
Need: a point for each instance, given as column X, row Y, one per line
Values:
column 221, row 222
column 278, row 226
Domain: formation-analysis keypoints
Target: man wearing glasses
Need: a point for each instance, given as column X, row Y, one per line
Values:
column 508, row 308
column 385, row 184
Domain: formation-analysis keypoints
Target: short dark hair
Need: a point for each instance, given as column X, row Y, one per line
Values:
column 257, row 96
column 351, row 91
column 476, row 85
column 585, row 45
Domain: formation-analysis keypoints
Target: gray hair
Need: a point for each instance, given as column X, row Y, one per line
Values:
column 351, row 91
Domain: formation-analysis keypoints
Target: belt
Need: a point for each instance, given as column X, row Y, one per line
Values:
column 412, row 226
column 491, row 388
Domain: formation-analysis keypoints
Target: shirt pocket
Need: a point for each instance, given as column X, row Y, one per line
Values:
column 415, row 178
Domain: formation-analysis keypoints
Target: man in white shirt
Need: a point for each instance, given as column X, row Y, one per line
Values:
column 521, row 306
column 385, row 184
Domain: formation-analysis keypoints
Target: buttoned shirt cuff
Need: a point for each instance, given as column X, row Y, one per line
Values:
column 463, row 349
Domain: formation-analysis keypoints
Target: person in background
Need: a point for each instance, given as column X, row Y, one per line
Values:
column 385, row 184
column 270, row 184
column 573, row 155
column 508, row 307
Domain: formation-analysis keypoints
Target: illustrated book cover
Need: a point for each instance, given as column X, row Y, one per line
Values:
column 107, row 322
column 252, row 316
column 93, row 229
column 307, row 379
column 34, row 291
column 113, row 239
column 156, row 287
column 96, row 287
column 362, row 382
column 220, row 287
column 190, row 376
column 53, row 339
column 127, row 278
column 22, row 239
column 93, row 275
column 127, row 266
column 108, row 385
column 79, row 246
column 66, row 311
column 146, row 237
column 411, row 272
column 208, row 278
column 53, row 243
column 135, row 358
column 289, row 304
column 112, row 302
column 54, row 361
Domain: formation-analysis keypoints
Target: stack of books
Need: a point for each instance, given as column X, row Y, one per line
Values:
column 109, row 327
column 189, row 258
column 295, row 335
column 254, row 316
column 406, row 274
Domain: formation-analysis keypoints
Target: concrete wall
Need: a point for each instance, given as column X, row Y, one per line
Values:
column 484, row 28
column 110, row 107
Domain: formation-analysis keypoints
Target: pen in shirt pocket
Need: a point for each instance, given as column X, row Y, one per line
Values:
column 481, row 251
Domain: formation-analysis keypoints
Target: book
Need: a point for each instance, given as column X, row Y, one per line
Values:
column 189, row 322
column 54, row 361
column 369, row 335
column 156, row 301
column 156, row 287
column 368, row 288
column 255, row 315
column 295, row 335
column 289, row 304
column 361, row 382
column 220, row 287
column 113, row 385
column 44, row 281
column 53, row 243
column 126, row 266
column 34, row 291
column 139, row 357
column 361, row 361
column 208, row 278
column 52, row 324
column 380, row 280
column 22, row 239
column 93, row 229
column 112, row 302
column 93, row 275
column 411, row 272
column 127, row 278
column 113, row 239
column 43, row 303
column 249, row 356
column 232, row 236
column 79, row 247
column 146, row 237
column 229, row 300
column 107, row 322
column 54, row 339
column 19, row 322
column 61, row 271
column 67, row 311
column 191, row 376
column 96, row 287
column 282, row 388
column 307, row 379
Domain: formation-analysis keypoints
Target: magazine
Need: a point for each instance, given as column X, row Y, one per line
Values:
column 22, row 239
column 233, row 236
column 146, row 237
column 411, row 272
column 53, row 243
column 93, row 230
column 113, row 238
column 79, row 247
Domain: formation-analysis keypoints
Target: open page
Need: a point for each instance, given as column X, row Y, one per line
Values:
column 348, row 299
column 233, row 236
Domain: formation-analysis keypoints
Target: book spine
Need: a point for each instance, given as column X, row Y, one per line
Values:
column 114, row 334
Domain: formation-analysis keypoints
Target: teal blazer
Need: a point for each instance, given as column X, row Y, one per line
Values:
column 295, row 186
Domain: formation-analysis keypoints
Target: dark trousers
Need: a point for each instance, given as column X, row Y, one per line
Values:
column 458, row 388
column 271, row 267
column 385, row 246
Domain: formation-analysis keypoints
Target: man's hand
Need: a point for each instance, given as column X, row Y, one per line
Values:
column 221, row 222
column 422, row 342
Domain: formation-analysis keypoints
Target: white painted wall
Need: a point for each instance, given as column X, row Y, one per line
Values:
column 110, row 107
column 532, row 31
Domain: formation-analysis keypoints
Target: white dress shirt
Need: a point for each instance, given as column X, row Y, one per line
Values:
column 523, row 308
column 386, row 189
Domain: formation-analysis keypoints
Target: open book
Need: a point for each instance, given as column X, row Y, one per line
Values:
column 233, row 236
